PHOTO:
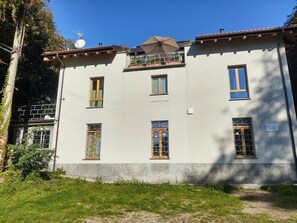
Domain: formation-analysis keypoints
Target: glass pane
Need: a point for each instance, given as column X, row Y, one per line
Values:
column 99, row 104
column 156, row 125
column 101, row 88
column 94, row 87
column 46, row 138
column 238, row 142
column 90, row 144
column 232, row 78
column 165, row 147
column 98, row 144
column 163, row 85
column 165, row 151
column 156, row 145
column 100, row 93
column 242, row 122
column 248, row 142
column 37, row 137
column 155, row 86
column 164, row 124
column 242, row 80
column 239, row 95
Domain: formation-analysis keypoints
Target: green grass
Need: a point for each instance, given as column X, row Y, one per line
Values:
column 72, row 200
column 286, row 195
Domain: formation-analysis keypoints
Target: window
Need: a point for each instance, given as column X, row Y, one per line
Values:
column 96, row 92
column 160, row 147
column 42, row 137
column 159, row 84
column 238, row 82
column 243, row 137
column 93, row 141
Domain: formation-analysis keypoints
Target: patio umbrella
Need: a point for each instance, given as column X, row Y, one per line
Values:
column 158, row 44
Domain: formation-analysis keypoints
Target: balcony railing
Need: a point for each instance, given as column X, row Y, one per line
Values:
column 34, row 112
column 138, row 61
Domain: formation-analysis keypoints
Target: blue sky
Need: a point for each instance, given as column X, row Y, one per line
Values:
column 131, row 22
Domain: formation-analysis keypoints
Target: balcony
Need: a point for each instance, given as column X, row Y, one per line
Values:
column 34, row 113
column 156, row 60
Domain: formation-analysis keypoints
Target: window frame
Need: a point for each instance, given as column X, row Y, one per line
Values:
column 97, row 98
column 161, row 156
column 159, row 84
column 237, row 81
column 42, row 139
column 244, row 156
column 93, row 157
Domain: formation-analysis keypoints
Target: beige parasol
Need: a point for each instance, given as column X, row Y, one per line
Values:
column 158, row 44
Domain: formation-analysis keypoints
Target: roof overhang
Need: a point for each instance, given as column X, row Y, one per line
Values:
column 244, row 34
column 53, row 55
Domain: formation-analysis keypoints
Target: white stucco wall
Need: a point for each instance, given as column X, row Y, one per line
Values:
column 203, row 84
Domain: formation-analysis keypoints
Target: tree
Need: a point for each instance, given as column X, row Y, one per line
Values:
column 19, row 11
column 292, row 18
column 34, row 32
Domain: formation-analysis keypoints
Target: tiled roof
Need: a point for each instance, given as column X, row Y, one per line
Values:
column 246, row 32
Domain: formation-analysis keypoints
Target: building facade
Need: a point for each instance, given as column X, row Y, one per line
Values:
column 219, row 109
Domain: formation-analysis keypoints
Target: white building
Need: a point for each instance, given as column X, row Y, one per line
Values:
column 218, row 110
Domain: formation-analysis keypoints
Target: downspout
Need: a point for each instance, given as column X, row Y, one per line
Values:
column 287, row 101
column 59, row 112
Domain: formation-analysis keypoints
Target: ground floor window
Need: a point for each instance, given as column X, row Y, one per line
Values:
column 93, row 141
column 42, row 137
column 160, row 145
column 243, row 137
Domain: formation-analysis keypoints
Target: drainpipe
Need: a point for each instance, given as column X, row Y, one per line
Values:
column 287, row 101
column 59, row 111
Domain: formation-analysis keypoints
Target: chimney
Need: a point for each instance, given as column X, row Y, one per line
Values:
column 222, row 30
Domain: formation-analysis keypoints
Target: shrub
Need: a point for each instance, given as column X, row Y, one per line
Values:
column 29, row 158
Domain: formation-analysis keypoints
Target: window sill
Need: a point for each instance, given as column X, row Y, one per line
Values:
column 93, row 107
column 159, row 158
column 240, row 99
column 158, row 94
column 91, row 159
column 244, row 158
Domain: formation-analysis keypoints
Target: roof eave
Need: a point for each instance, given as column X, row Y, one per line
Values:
column 52, row 56
column 247, row 33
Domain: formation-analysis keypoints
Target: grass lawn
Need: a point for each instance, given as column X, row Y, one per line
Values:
column 75, row 200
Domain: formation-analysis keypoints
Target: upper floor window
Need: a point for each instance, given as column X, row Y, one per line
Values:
column 96, row 92
column 243, row 137
column 160, row 142
column 238, row 82
column 93, row 141
column 159, row 84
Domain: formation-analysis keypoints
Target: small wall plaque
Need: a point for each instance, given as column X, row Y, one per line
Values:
column 272, row 127
column 190, row 111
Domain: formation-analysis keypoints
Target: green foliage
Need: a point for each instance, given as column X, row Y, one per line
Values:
column 292, row 18
column 287, row 194
column 29, row 159
column 57, row 173
column 36, row 80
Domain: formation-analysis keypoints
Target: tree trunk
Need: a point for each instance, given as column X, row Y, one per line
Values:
column 8, row 88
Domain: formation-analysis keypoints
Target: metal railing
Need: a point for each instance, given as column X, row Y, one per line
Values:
column 156, row 59
column 34, row 112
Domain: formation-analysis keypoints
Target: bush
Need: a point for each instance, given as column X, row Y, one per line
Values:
column 28, row 159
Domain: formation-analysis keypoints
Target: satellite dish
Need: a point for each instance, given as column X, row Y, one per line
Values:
column 80, row 43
